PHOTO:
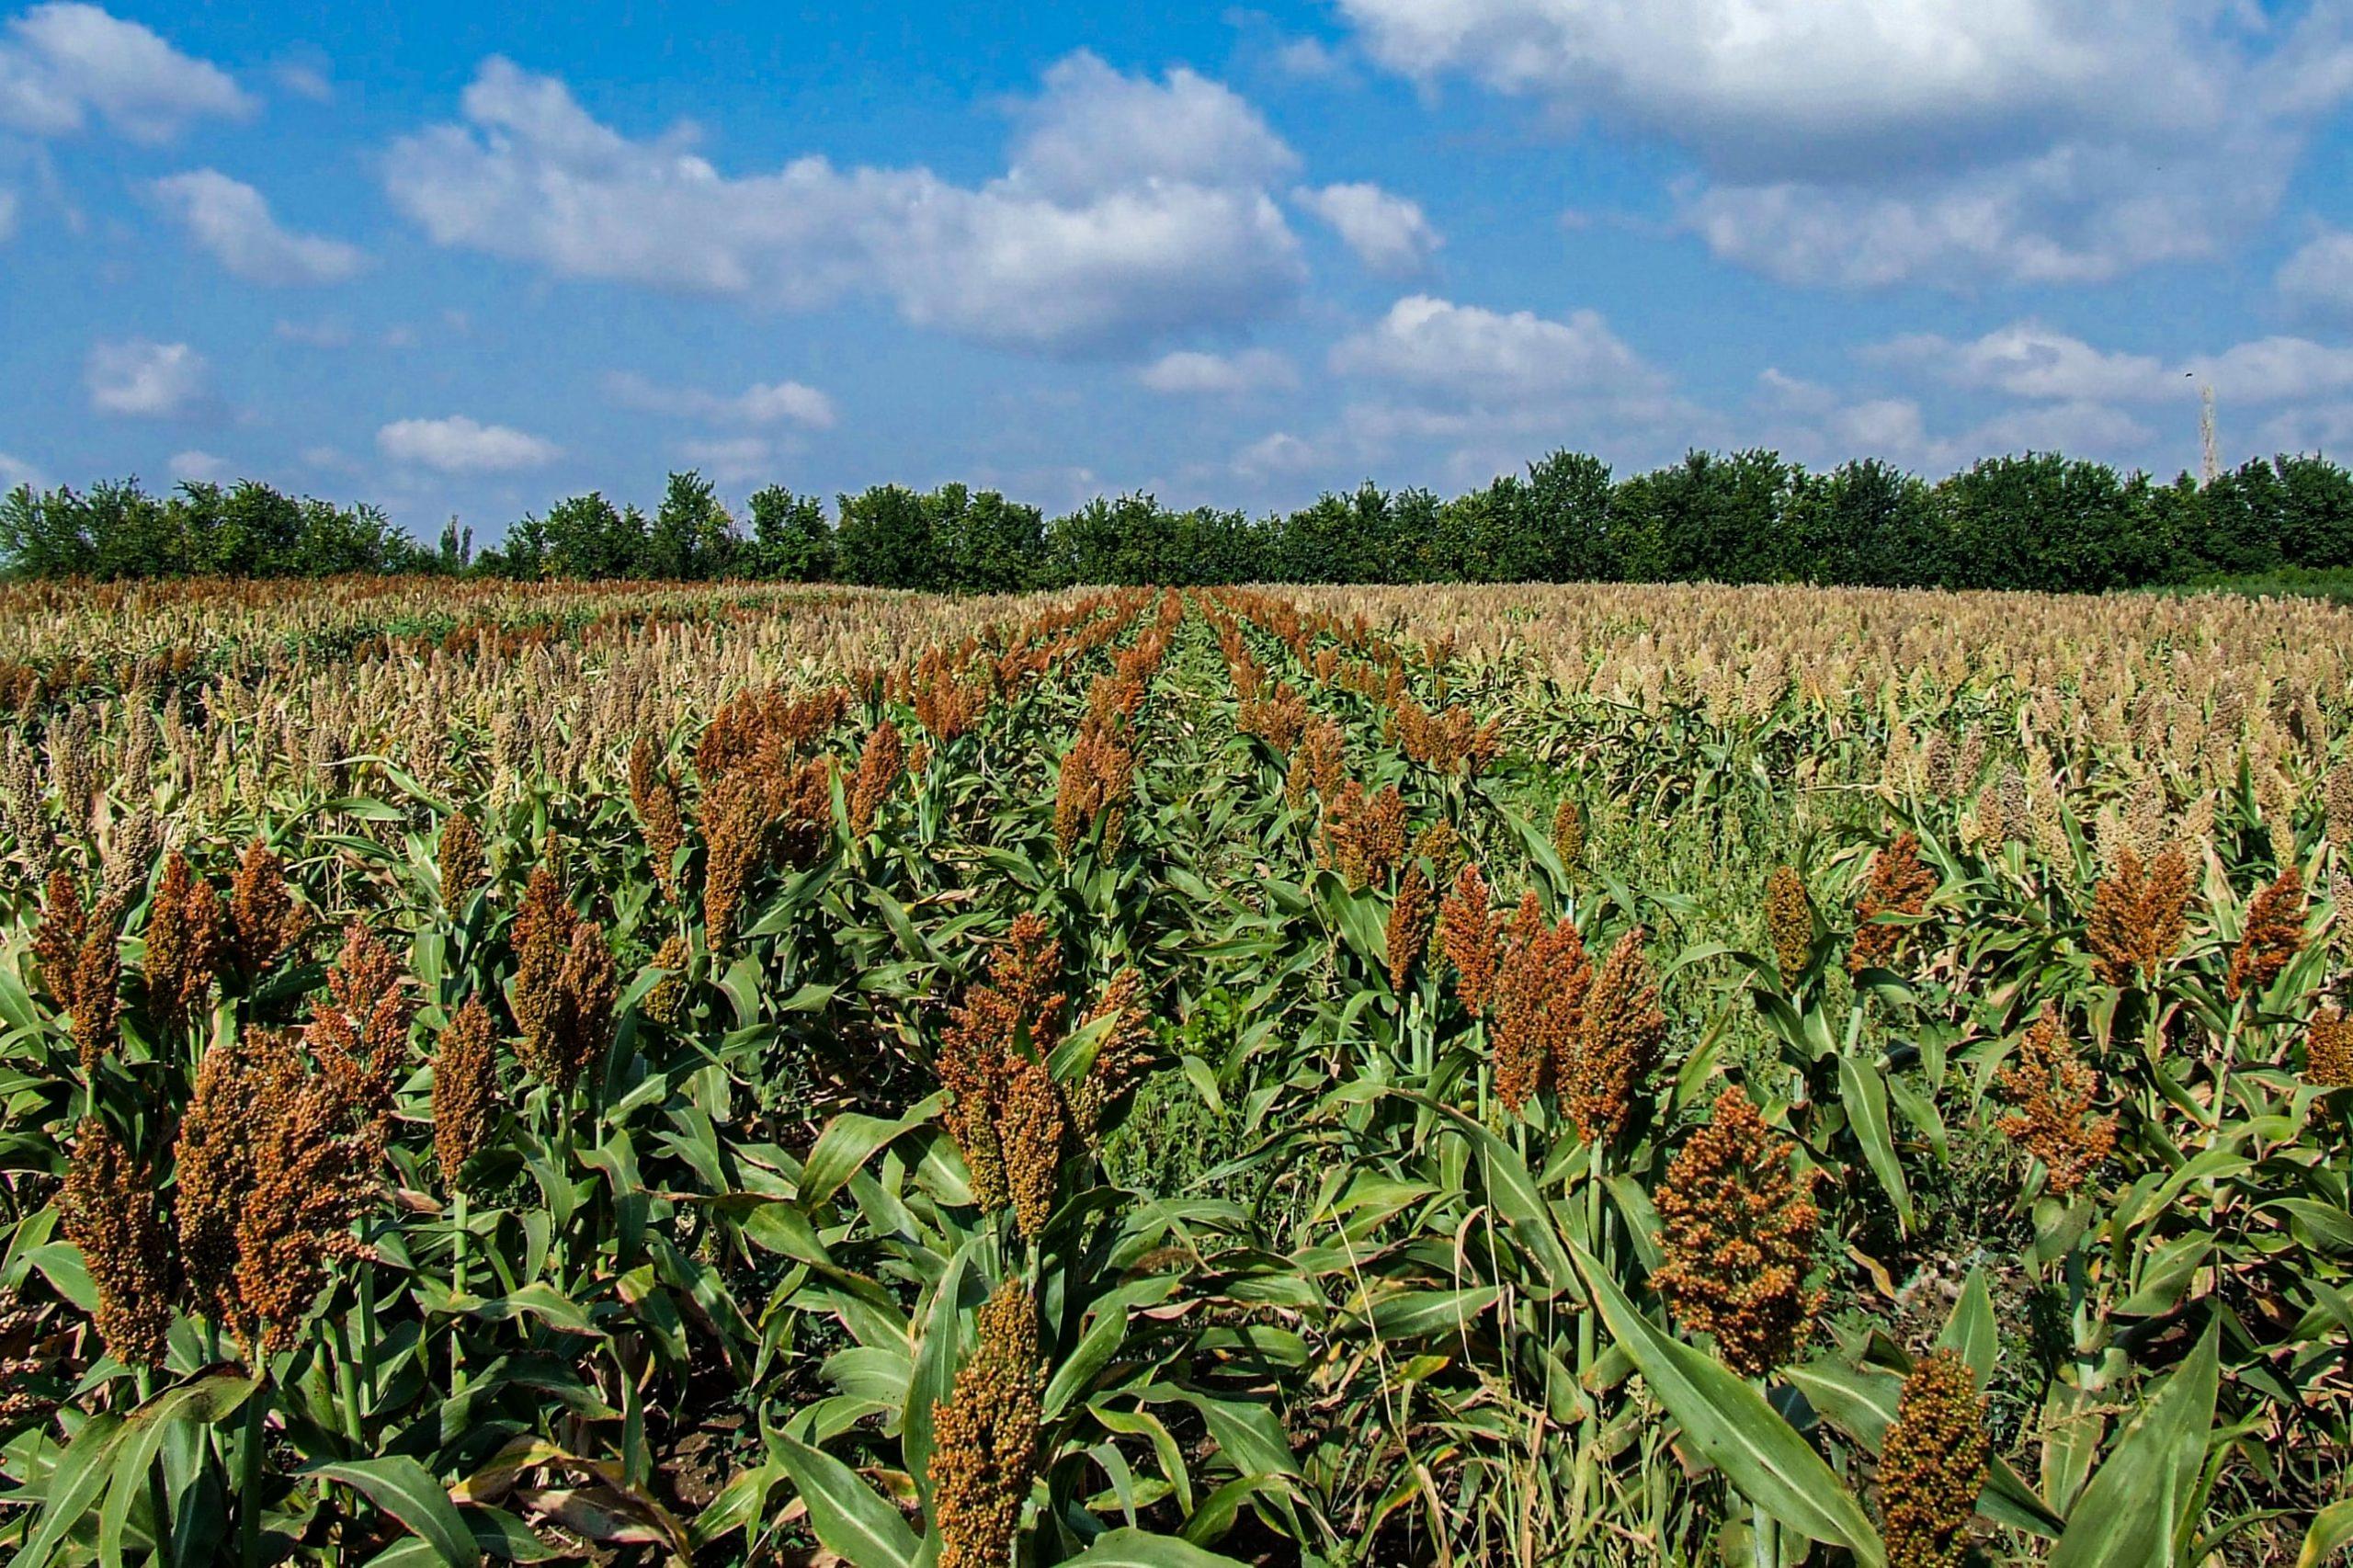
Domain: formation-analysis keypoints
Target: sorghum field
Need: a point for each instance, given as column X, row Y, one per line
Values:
column 1488, row 1076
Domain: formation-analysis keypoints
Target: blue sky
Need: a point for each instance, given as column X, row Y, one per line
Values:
column 455, row 260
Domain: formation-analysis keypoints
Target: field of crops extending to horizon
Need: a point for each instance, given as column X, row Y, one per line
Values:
column 801, row 1076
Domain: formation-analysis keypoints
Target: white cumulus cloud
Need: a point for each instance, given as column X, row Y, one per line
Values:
column 1486, row 357
column 1132, row 208
column 2319, row 276
column 199, row 466
column 1863, row 142
column 145, row 379
column 772, row 403
column 2028, row 360
column 1388, row 233
column 233, row 220
column 62, row 64
column 1191, row 371
column 460, row 445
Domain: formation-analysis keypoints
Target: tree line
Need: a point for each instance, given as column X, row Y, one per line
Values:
column 2040, row 521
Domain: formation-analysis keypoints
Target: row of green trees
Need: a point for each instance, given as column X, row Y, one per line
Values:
column 2040, row 521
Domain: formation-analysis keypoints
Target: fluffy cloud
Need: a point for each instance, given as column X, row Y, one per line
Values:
column 777, row 403
column 201, row 466
column 1484, row 356
column 62, row 64
column 460, row 445
column 233, row 220
column 2319, row 276
column 144, row 380
column 1949, row 140
column 1191, row 372
column 1387, row 232
column 2026, row 360
column 14, row 470
column 1131, row 209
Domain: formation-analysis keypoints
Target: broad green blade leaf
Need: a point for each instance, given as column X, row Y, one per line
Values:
column 2127, row 1516
column 844, row 1512
column 1409, row 1314
column 1864, row 1094
column 2331, row 1531
column 847, row 1143
column 80, row 1475
column 1730, row 1423
column 403, row 1488
column 205, row 1398
column 1135, row 1549
column 1970, row 1329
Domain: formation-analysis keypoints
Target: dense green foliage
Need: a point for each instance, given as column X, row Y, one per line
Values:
column 2042, row 522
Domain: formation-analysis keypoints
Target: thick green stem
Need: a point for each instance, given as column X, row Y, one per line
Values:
column 249, row 1466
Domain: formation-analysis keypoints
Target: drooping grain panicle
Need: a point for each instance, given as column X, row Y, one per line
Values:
column 1408, row 931
column 565, row 987
column 263, row 921
column 986, row 1437
column 274, row 1166
column 2054, row 1095
column 187, row 940
column 2139, row 915
column 1122, row 1059
column 1620, row 1038
column 465, row 1088
column 1468, row 936
column 1898, row 885
column 2273, row 936
column 1536, row 1014
column 461, row 859
column 1789, row 923
column 108, row 1210
column 880, row 761
column 1738, row 1228
column 2328, row 1051
column 1932, row 1465
column 1016, row 1017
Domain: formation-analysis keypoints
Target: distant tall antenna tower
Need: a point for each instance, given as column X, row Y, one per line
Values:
column 2210, row 455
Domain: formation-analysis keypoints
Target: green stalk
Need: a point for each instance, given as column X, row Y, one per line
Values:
column 249, row 1457
column 457, row 1287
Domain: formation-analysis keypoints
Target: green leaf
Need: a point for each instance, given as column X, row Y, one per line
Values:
column 1409, row 1314
column 1970, row 1329
column 1731, row 1425
column 208, row 1397
column 2128, row 1516
column 2331, row 1531
column 844, row 1512
column 1137, row 1549
column 404, row 1489
column 847, row 1143
column 1864, row 1094
column 80, row 1474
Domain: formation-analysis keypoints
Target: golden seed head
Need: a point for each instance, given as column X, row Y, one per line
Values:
column 1897, row 884
column 1012, row 1021
column 565, row 984
column 2140, row 913
column 1739, row 1225
column 464, row 863
column 108, row 1208
column 1409, row 924
column 1122, row 1057
column 1789, row 923
column 2054, row 1095
column 2274, row 936
column 1467, row 935
column 263, row 919
column 1620, row 1038
column 880, row 763
column 1568, row 830
column 665, row 1003
column 465, row 1088
column 1537, row 1009
column 274, row 1165
column 986, row 1437
column 1932, row 1465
